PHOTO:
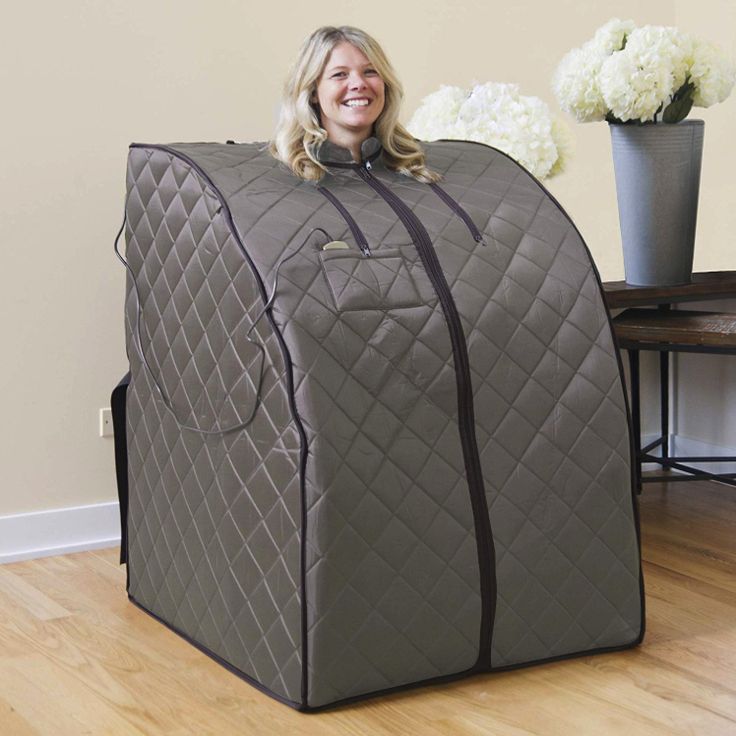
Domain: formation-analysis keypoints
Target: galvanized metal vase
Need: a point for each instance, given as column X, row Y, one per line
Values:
column 657, row 182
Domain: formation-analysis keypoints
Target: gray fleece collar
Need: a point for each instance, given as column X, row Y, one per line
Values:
column 330, row 153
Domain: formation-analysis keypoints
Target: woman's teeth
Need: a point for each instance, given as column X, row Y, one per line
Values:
column 356, row 103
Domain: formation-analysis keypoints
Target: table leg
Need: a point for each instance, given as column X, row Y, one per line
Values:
column 664, row 401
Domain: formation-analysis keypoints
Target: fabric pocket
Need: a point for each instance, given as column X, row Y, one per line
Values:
column 381, row 281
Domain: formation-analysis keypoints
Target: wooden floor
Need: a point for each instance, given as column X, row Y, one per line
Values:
column 77, row 658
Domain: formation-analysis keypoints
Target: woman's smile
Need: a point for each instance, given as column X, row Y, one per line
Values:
column 357, row 102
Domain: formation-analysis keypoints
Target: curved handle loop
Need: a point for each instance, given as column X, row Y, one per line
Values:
column 144, row 358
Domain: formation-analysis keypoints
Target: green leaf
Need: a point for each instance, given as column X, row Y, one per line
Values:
column 681, row 104
column 613, row 120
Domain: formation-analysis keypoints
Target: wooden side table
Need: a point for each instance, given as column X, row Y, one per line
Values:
column 666, row 331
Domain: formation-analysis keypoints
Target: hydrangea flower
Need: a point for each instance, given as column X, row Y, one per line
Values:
column 610, row 36
column 642, row 74
column 576, row 80
column 711, row 73
column 436, row 109
column 563, row 140
column 575, row 84
column 498, row 115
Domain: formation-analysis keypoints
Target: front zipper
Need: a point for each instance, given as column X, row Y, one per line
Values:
column 360, row 239
column 466, row 419
column 459, row 211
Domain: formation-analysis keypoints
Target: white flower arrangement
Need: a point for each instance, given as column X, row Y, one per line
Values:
column 652, row 73
column 498, row 115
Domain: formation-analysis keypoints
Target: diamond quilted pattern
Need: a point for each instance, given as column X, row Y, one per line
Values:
column 367, row 455
column 549, row 290
column 392, row 590
column 380, row 282
column 214, row 521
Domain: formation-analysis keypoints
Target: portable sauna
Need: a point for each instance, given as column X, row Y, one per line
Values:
column 376, row 429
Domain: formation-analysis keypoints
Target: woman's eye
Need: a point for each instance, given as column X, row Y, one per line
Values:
column 338, row 74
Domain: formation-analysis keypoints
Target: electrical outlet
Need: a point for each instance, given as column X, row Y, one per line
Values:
column 105, row 423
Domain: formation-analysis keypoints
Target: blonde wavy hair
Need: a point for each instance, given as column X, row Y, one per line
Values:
column 299, row 131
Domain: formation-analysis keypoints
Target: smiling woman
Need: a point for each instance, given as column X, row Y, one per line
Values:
column 350, row 96
column 343, row 91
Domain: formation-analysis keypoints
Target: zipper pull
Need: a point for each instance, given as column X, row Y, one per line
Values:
column 368, row 166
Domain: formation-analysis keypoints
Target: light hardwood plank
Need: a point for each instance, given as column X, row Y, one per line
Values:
column 56, row 703
column 34, row 600
column 11, row 722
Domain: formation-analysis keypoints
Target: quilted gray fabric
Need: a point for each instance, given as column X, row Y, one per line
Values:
column 214, row 521
column 551, row 417
column 359, row 571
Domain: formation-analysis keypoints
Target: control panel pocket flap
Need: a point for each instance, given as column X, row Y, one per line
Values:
column 379, row 281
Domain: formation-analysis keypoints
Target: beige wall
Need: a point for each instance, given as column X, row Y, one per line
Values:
column 81, row 80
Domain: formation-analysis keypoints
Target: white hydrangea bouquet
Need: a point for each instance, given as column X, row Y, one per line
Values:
column 498, row 115
column 626, row 74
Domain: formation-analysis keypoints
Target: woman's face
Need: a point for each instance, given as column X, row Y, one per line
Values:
column 350, row 94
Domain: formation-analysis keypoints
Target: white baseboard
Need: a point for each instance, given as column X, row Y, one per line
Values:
column 59, row 531
column 82, row 528
column 687, row 446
